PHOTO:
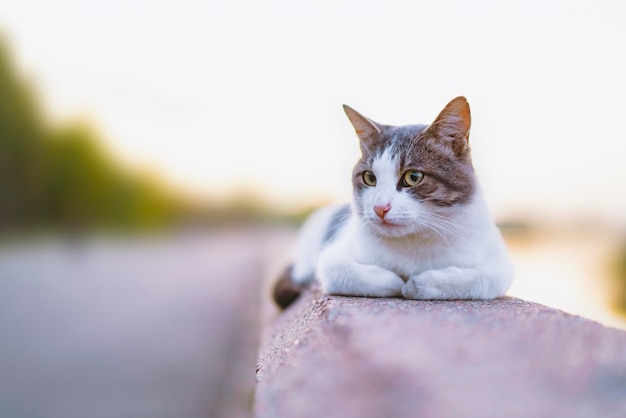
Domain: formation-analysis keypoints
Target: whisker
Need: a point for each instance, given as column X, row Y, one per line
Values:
column 447, row 221
column 444, row 227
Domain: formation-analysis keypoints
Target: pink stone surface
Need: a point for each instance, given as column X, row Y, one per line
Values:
column 330, row 356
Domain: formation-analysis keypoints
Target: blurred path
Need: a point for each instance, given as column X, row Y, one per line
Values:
column 131, row 328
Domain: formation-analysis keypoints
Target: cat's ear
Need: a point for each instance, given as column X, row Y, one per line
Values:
column 367, row 130
column 453, row 124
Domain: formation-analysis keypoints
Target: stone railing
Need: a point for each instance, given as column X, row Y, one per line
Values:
column 330, row 356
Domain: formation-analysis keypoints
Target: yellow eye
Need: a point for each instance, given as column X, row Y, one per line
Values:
column 412, row 178
column 369, row 178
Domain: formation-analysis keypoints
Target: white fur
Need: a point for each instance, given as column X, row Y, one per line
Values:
column 426, row 253
column 310, row 245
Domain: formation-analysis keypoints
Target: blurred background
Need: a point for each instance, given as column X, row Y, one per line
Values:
column 156, row 158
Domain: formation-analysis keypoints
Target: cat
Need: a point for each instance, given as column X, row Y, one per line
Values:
column 418, row 226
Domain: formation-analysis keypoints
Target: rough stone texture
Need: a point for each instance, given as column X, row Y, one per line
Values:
column 329, row 356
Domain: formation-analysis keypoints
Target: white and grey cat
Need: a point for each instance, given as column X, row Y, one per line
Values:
column 418, row 225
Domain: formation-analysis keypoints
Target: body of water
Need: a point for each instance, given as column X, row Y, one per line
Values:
column 568, row 269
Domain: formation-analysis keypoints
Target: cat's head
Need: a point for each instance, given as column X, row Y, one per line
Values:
column 409, row 178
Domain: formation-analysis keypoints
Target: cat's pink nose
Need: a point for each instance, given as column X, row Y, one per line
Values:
column 381, row 210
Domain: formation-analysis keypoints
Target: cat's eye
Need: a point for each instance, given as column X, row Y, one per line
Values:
column 369, row 178
column 412, row 178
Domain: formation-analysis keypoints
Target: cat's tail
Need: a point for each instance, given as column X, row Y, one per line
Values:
column 285, row 290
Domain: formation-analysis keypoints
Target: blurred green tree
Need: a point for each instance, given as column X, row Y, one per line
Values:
column 22, row 151
column 61, row 176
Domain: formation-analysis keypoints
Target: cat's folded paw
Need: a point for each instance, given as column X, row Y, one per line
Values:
column 388, row 284
column 360, row 280
column 431, row 284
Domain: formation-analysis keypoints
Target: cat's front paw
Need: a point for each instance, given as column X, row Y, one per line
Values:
column 431, row 284
column 360, row 280
column 387, row 284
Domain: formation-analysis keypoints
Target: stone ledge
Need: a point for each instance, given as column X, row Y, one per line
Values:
column 331, row 356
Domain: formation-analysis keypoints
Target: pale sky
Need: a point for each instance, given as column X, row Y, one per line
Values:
column 230, row 96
